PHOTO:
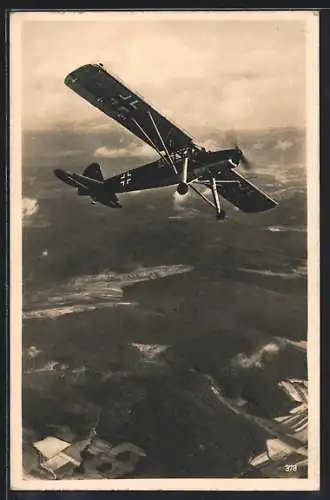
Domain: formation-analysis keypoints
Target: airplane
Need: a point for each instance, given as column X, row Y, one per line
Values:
column 181, row 162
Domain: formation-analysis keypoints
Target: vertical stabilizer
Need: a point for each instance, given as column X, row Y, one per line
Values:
column 93, row 171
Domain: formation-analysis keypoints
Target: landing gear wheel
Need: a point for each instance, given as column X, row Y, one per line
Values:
column 221, row 215
column 182, row 188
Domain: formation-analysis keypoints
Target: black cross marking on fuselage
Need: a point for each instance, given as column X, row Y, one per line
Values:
column 126, row 178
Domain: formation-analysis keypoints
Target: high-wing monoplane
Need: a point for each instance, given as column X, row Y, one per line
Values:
column 181, row 162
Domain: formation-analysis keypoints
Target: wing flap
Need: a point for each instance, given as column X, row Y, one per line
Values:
column 241, row 192
column 107, row 93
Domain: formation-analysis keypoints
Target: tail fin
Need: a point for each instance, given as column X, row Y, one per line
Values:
column 93, row 171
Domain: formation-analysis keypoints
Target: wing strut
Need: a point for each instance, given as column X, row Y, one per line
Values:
column 202, row 195
column 149, row 140
column 163, row 143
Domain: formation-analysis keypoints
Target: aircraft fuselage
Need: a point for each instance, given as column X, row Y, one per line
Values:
column 160, row 172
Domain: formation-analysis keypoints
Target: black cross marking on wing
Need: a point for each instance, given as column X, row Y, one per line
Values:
column 124, row 105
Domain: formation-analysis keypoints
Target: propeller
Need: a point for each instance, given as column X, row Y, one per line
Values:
column 232, row 139
column 245, row 161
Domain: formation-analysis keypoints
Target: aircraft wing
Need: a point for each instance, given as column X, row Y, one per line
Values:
column 105, row 92
column 241, row 192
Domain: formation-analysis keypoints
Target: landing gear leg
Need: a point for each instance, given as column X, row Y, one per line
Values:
column 185, row 170
column 183, row 186
column 220, row 214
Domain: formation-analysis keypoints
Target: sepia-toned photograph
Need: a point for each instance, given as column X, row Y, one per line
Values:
column 164, row 227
